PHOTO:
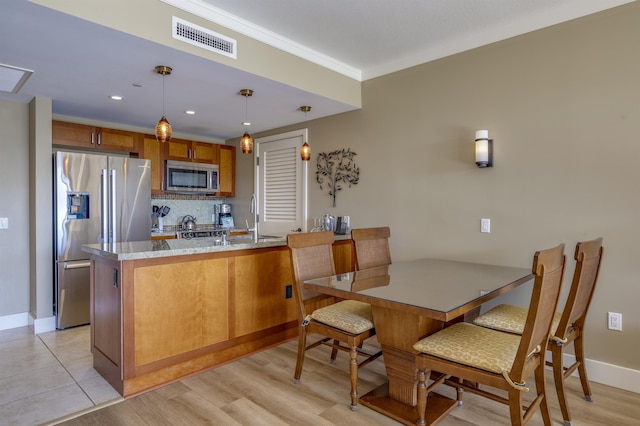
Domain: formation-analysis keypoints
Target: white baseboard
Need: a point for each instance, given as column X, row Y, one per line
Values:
column 606, row 374
column 14, row 321
column 39, row 325
column 42, row 325
column 613, row 375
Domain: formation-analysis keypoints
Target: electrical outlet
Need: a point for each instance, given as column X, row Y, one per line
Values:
column 483, row 292
column 485, row 225
column 4, row 222
column 614, row 321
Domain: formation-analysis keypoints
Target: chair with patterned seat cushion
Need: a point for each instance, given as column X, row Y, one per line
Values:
column 568, row 325
column 371, row 247
column 345, row 324
column 464, row 354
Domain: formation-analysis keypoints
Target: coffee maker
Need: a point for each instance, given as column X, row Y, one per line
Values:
column 222, row 216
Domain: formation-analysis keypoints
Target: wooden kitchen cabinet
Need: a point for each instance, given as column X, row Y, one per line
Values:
column 227, row 170
column 106, row 336
column 260, row 301
column 193, row 151
column 147, row 147
column 154, row 151
column 157, row 320
column 91, row 137
column 343, row 256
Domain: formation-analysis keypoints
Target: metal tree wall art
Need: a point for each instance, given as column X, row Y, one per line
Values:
column 337, row 169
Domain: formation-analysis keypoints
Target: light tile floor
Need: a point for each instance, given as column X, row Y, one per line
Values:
column 48, row 376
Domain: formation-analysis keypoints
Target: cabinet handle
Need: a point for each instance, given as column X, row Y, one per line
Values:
column 189, row 153
column 115, row 278
column 99, row 138
column 92, row 135
column 194, row 154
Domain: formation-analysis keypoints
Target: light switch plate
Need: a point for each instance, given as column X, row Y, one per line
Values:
column 4, row 222
column 485, row 225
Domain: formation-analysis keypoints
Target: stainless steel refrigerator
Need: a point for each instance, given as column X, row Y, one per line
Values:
column 97, row 199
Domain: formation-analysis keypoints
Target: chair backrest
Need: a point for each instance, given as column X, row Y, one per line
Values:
column 588, row 256
column 548, row 270
column 372, row 247
column 311, row 257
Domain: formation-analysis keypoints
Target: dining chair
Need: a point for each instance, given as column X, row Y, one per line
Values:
column 466, row 356
column 371, row 247
column 568, row 325
column 344, row 324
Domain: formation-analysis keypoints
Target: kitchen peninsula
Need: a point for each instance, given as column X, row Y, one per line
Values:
column 162, row 310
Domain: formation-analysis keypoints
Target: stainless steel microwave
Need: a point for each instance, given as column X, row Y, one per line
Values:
column 189, row 178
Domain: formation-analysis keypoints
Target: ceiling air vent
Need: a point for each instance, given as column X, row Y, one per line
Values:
column 202, row 37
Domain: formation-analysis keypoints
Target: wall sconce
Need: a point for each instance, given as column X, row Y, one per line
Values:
column 484, row 149
column 305, row 150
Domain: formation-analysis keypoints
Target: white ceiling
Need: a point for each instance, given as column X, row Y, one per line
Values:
column 78, row 64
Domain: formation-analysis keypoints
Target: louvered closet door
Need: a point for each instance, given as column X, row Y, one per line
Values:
column 281, row 183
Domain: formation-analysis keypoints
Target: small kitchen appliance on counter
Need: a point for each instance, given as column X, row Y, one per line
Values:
column 225, row 219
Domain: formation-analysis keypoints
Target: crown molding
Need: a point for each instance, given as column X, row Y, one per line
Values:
column 235, row 23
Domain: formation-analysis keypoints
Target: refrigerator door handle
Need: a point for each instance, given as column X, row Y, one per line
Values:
column 105, row 207
column 77, row 265
column 114, row 237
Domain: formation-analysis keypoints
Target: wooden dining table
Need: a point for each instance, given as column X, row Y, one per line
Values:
column 411, row 300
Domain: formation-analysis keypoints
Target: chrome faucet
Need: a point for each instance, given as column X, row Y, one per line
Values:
column 254, row 210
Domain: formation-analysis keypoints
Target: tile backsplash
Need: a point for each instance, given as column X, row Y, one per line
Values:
column 200, row 207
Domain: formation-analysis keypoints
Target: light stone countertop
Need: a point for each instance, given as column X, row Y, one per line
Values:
column 178, row 247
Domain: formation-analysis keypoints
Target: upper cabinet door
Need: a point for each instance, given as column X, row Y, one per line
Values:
column 197, row 152
column 154, row 151
column 205, row 152
column 227, row 170
column 118, row 140
column 91, row 137
column 71, row 134
column 179, row 149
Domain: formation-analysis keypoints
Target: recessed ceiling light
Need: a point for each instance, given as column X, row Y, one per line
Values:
column 116, row 97
column 246, row 123
column 189, row 112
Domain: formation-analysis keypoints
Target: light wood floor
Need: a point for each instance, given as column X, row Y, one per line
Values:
column 258, row 390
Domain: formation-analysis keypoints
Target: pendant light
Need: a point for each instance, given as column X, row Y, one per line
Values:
column 163, row 128
column 305, row 150
column 246, row 143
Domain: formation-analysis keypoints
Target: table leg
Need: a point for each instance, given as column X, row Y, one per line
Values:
column 397, row 331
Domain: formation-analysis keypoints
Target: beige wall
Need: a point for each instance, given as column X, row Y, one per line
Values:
column 14, row 205
column 563, row 107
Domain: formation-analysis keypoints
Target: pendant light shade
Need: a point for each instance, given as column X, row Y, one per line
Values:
column 305, row 150
column 246, row 143
column 163, row 128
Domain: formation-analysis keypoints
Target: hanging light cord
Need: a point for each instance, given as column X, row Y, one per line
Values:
column 246, row 111
column 163, row 114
